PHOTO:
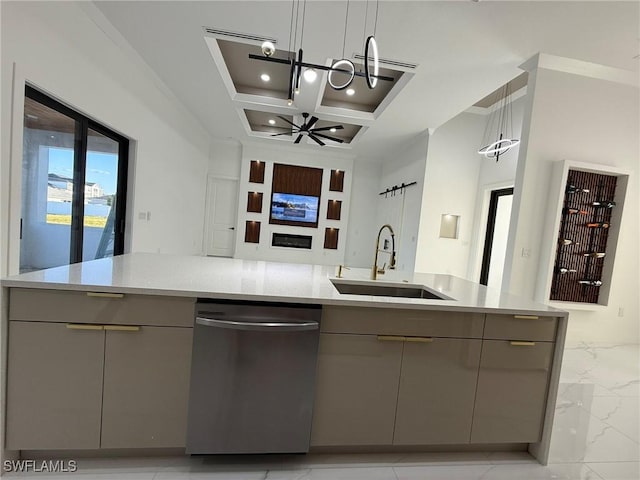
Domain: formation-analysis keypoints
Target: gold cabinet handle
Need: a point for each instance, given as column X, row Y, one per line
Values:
column 391, row 338
column 526, row 317
column 522, row 344
column 105, row 295
column 419, row 339
column 83, row 326
column 122, row 328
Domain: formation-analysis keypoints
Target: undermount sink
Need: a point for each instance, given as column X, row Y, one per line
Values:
column 409, row 291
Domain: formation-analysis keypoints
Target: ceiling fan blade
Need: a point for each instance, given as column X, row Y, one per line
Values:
column 298, row 139
column 339, row 140
column 278, row 134
column 288, row 121
column 311, row 123
column 316, row 139
column 322, row 129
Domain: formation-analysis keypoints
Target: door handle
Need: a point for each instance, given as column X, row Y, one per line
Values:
column 522, row 344
column 232, row 228
column 84, row 326
column 122, row 328
column 264, row 326
column 419, row 339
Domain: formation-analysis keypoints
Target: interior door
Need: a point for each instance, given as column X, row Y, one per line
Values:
column 495, row 244
column 222, row 198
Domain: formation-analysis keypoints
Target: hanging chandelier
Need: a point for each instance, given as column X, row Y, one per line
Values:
column 343, row 66
column 498, row 133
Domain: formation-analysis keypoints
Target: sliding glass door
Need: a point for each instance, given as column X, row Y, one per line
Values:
column 73, row 186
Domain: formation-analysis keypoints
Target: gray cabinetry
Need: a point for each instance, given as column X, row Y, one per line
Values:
column 512, row 391
column 113, row 375
column 437, row 388
column 356, row 390
column 54, row 386
column 146, row 386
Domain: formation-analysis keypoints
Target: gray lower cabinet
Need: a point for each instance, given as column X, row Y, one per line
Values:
column 97, row 384
column 512, row 391
column 356, row 390
column 146, row 387
column 54, row 386
column 437, row 389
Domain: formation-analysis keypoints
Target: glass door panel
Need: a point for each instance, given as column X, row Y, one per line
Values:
column 49, row 155
column 100, row 187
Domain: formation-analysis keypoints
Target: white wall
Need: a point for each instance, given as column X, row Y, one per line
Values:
column 363, row 221
column 293, row 155
column 102, row 79
column 403, row 211
column 225, row 158
column 450, row 185
column 592, row 120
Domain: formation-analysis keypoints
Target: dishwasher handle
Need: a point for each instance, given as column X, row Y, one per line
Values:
column 270, row 324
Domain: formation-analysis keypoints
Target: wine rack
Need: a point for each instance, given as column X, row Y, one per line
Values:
column 582, row 238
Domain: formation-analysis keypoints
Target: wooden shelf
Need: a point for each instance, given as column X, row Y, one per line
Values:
column 256, row 172
column 336, row 182
column 331, row 238
column 254, row 202
column 252, row 232
column 334, row 208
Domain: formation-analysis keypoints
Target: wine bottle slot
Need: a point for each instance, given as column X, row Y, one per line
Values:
column 604, row 203
column 568, row 241
column 594, row 254
column 574, row 189
column 591, row 283
column 575, row 211
column 566, row 270
column 598, row 225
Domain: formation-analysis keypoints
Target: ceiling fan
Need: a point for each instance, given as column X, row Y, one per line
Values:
column 313, row 133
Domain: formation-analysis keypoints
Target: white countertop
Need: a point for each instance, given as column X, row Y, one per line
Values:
column 235, row 279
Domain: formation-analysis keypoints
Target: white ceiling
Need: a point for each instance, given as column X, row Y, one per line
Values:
column 464, row 49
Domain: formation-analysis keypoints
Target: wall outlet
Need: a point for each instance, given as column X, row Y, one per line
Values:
column 621, row 311
column 526, row 252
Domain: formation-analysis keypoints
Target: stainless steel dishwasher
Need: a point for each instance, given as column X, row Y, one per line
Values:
column 252, row 377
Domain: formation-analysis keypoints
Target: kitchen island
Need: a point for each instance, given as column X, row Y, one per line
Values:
column 99, row 356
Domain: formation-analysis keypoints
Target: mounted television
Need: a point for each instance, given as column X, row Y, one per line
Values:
column 291, row 209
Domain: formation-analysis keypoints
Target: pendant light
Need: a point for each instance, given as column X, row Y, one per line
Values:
column 498, row 133
column 343, row 65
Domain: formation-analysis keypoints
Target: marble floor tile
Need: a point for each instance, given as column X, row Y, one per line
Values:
column 617, row 470
column 352, row 473
column 579, row 436
column 622, row 413
column 442, row 472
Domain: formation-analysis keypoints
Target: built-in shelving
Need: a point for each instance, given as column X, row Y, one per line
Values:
column 581, row 234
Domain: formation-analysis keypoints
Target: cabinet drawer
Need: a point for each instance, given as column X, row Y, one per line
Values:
column 85, row 307
column 512, row 391
column 383, row 321
column 520, row 327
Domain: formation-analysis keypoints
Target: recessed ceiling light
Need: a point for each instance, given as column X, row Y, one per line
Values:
column 350, row 91
column 264, row 77
column 333, row 130
column 272, row 121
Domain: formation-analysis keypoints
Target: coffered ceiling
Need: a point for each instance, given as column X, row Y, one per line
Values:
column 463, row 50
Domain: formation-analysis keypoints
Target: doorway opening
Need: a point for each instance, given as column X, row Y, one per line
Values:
column 495, row 242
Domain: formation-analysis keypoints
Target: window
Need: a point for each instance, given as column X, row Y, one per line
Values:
column 74, row 177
